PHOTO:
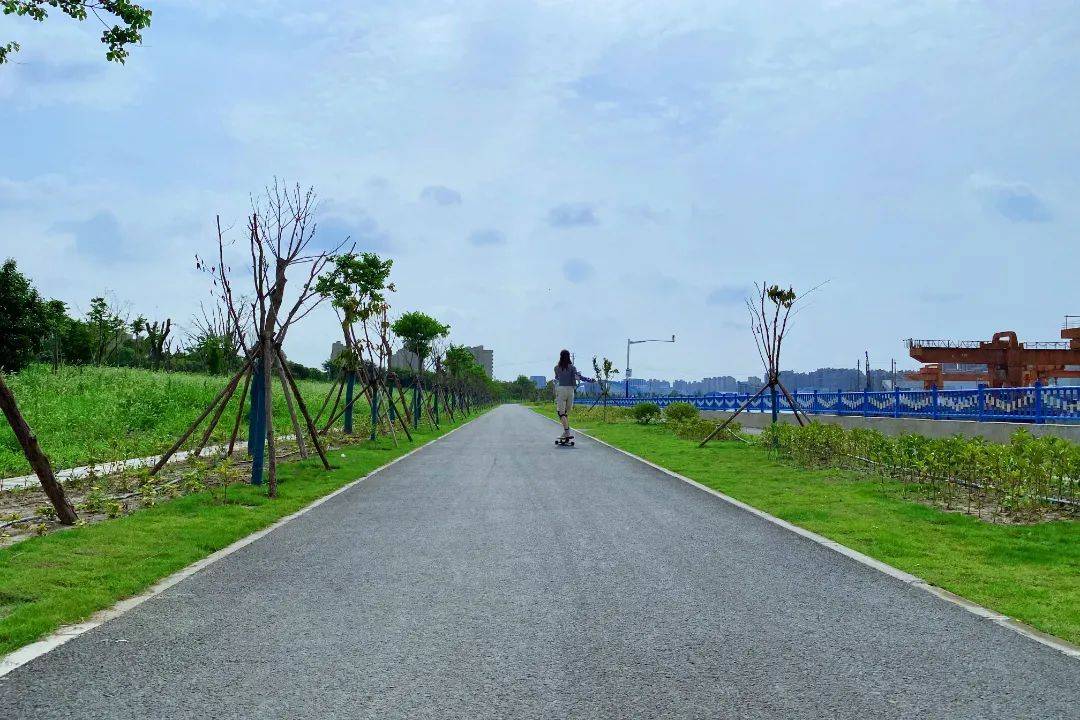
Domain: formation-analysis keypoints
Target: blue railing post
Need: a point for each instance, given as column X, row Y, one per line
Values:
column 982, row 401
column 350, row 387
column 257, row 423
column 814, row 407
column 896, row 402
column 865, row 402
column 934, row 402
column 839, row 401
column 374, row 411
column 1040, row 416
column 416, row 403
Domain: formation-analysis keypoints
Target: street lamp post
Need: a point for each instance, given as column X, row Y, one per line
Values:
column 629, row 342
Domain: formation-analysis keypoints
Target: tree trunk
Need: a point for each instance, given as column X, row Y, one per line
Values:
column 37, row 459
column 269, row 329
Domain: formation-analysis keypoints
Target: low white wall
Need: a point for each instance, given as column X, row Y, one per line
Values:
column 998, row 432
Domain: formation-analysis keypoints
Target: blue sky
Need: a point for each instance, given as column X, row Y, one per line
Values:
column 561, row 173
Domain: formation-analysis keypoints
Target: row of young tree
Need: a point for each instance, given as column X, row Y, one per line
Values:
column 287, row 278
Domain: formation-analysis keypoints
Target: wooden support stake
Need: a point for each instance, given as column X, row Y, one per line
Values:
column 300, row 444
column 217, row 417
column 727, row 422
column 304, row 411
column 198, row 421
column 333, row 386
column 239, row 414
column 791, row 401
column 402, row 418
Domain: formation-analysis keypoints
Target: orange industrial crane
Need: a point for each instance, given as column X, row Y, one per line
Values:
column 1009, row 362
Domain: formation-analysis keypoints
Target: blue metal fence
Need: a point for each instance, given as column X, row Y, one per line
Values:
column 1038, row 404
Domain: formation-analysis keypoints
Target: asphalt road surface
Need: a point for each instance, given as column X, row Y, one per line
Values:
column 494, row 575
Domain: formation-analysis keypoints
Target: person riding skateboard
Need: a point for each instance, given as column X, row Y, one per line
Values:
column 566, row 380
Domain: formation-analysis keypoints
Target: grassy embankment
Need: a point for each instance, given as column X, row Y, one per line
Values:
column 66, row 576
column 96, row 414
column 1029, row 572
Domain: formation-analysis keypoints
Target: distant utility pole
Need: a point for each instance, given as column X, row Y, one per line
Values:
column 629, row 342
column 867, row 353
column 858, row 373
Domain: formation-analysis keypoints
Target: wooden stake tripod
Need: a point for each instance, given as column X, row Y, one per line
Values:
column 773, row 385
column 254, row 376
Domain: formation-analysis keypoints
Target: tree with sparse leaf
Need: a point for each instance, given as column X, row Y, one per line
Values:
column 128, row 21
column 418, row 332
column 603, row 372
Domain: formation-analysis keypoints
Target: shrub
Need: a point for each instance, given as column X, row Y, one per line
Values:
column 698, row 428
column 678, row 412
column 645, row 413
column 1026, row 472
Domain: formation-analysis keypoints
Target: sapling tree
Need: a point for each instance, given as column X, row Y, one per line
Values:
column 418, row 333
column 281, row 231
column 603, row 372
column 107, row 327
column 770, row 313
column 129, row 21
column 357, row 287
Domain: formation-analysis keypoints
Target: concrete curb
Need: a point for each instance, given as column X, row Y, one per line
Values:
column 25, row 654
column 1005, row 621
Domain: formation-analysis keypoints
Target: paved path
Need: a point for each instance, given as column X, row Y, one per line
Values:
column 493, row 575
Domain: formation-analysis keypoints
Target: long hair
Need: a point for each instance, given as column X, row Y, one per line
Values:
column 564, row 359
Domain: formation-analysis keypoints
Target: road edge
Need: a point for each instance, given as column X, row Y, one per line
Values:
column 17, row 658
column 1062, row 646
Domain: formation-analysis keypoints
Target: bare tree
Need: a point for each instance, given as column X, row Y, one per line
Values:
column 281, row 231
column 770, row 312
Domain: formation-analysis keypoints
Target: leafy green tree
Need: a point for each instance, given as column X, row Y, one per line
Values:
column 130, row 20
column 459, row 360
column 522, row 388
column 357, row 288
column 106, row 328
column 67, row 340
column 23, row 319
column 418, row 332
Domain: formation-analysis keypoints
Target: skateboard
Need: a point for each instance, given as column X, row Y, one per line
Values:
column 565, row 441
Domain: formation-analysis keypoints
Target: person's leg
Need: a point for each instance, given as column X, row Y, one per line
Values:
column 568, row 408
column 562, row 409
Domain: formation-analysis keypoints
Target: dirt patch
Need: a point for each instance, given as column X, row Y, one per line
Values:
column 26, row 512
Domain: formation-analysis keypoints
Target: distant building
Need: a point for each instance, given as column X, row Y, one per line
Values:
column 539, row 380
column 485, row 358
column 336, row 349
column 406, row 359
column 403, row 359
column 657, row 387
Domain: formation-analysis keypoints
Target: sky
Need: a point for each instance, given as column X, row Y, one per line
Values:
column 573, row 173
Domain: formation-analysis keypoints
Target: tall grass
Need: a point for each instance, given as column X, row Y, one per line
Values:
column 85, row 415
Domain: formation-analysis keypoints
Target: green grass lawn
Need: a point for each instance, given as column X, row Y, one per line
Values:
column 1029, row 572
column 65, row 577
column 85, row 415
